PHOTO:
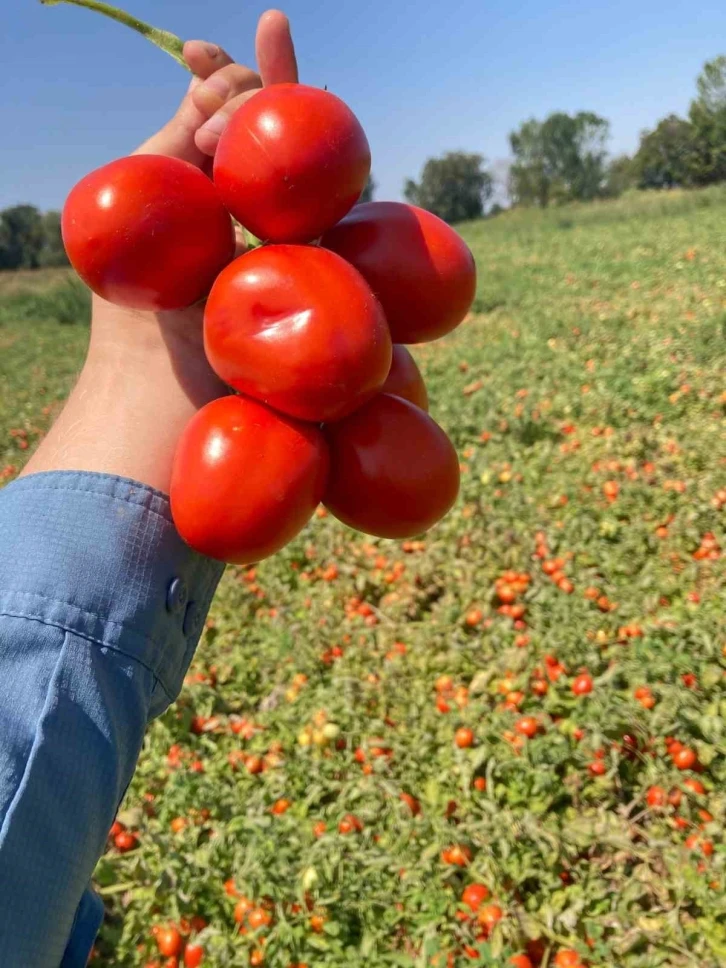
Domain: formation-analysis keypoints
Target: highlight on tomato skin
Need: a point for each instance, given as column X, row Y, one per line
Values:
column 147, row 232
column 420, row 269
column 245, row 479
column 404, row 379
column 393, row 471
column 298, row 328
column 292, row 161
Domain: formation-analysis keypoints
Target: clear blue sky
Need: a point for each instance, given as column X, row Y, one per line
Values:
column 424, row 76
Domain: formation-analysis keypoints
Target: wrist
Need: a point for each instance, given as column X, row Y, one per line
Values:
column 144, row 378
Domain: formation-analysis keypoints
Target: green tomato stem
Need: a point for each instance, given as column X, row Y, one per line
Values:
column 168, row 42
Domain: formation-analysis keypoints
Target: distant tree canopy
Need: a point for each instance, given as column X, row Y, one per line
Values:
column 665, row 156
column 53, row 252
column 369, row 191
column 619, row 176
column 682, row 152
column 562, row 158
column 707, row 117
column 455, row 187
column 29, row 239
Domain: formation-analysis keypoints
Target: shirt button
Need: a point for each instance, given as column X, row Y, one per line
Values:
column 176, row 596
column 193, row 619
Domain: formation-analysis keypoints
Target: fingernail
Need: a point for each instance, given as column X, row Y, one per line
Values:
column 212, row 50
column 216, row 124
column 217, row 85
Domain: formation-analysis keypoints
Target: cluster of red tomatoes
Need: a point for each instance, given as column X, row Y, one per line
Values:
column 174, row 944
column 307, row 329
column 485, row 917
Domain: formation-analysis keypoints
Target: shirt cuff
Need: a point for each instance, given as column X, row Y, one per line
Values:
column 101, row 558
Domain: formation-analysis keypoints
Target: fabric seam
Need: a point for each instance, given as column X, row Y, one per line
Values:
column 81, row 612
column 91, row 638
column 113, row 497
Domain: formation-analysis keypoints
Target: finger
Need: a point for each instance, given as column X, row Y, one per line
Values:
column 274, row 49
column 203, row 58
column 207, row 137
column 210, row 95
column 176, row 138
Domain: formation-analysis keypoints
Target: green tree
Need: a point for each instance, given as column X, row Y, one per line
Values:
column 21, row 237
column 369, row 191
column 665, row 156
column 455, row 187
column 619, row 176
column 707, row 116
column 53, row 252
column 559, row 159
column 529, row 180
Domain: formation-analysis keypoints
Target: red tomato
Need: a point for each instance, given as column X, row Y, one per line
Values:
column 125, row 841
column 405, row 380
column 259, row 918
column 116, row 828
column 245, row 479
column 567, row 958
column 459, row 855
column 317, row 923
column 148, row 232
column 582, row 684
column 685, row 758
column 298, row 328
column 350, row 824
column 292, row 161
column 193, row 956
column 411, row 802
column 656, row 797
column 489, row 916
column 242, row 909
column 474, row 896
column 520, row 961
column 169, row 941
column 464, row 737
column 527, row 726
column 695, row 786
column 394, row 472
column 536, row 949
column 420, row 269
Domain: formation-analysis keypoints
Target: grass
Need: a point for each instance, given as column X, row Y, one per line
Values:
column 586, row 398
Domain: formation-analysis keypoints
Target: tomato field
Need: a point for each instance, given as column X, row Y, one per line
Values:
column 503, row 743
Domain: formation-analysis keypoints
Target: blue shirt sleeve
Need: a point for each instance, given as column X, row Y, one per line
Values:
column 101, row 608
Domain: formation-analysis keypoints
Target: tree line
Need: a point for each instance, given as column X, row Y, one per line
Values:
column 30, row 239
column 563, row 158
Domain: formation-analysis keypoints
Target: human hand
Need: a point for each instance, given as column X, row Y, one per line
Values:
column 146, row 374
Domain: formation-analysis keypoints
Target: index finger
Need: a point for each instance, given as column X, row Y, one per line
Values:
column 203, row 58
column 274, row 49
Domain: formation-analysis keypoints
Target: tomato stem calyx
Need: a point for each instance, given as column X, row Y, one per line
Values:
column 166, row 41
